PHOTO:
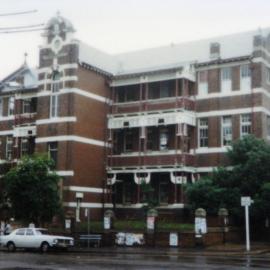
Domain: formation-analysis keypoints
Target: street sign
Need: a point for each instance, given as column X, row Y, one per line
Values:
column 246, row 201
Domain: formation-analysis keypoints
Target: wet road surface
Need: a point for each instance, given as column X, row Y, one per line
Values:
column 66, row 261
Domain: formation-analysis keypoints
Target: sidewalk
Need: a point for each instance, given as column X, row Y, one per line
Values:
column 227, row 249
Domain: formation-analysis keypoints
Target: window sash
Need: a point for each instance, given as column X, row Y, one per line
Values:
column 226, row 130
column 203, row 132
column 11, row 105
column 226, row 74
column 245, row 124
column 245, row 71
column 9, row 142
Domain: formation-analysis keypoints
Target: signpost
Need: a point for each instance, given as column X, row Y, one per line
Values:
column 246, row 202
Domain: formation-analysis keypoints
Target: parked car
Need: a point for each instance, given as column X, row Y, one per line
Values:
column 36, row 238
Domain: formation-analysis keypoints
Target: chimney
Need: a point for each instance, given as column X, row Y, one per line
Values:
column 214, row 50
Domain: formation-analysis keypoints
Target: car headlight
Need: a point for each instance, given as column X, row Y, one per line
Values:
column 55, row 241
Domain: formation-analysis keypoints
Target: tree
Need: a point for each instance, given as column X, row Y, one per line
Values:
column 33, row 190
column 248, row 175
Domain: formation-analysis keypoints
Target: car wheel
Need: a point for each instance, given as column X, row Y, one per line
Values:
column 44, row 247
column 11, row 247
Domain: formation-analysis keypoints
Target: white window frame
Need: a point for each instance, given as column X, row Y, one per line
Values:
column 1, row 106
column 225, row 126
column 245, row 77
column 203, row 84
column 24, row 141
column 226, row 79
column 9, row 143
column 244, row 124
column 54, row 100
column 203, row 128
column 11, row 105
column 163, row 139
column 26, row 105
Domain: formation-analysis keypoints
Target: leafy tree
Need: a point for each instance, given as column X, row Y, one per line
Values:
column 32, row 189
column 249, row 175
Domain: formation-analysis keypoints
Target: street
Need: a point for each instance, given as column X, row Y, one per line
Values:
column 81, row 261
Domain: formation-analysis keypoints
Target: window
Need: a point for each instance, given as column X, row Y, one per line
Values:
column 245, row 80
column 268, row 125
column 29, row 232
column 203, row 83
column 226, row 130
column 164, row 90
column 20, row 232
column 268, row 75
column 11, row 105
column 203, row 132
column 150, row 143
column 245, row 125
column 27, row 106
column 226, row 83
column 52, row 151
column 24, row 147
column 1, row 106
column 9, row 142
column 128, row 144
column 163, row 139
column 54, row 95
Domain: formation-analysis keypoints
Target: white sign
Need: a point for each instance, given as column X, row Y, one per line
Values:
column 246, row 201
column 150, row 223
column 68, row 223
column 173, row 239
column 200, row 225
column 107, row 223
column 129, row 239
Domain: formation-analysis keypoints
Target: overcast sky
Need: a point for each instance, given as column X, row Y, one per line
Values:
column 124, row 25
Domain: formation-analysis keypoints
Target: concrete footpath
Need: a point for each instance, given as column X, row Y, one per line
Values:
column 227, row 249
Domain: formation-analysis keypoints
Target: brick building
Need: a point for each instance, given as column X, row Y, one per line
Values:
column 164, row 115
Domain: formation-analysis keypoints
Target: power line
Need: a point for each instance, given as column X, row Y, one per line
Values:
column 22, row 31
column 21, row 27
column 18, row 13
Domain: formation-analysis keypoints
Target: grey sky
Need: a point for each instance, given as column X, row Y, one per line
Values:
column 123, row 25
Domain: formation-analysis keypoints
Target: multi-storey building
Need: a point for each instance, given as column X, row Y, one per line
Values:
column 164, row 116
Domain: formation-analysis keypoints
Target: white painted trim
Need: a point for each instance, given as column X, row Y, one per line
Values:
column 177, row 169
column 208, row 150
column 172, row 206
column 72, row 138
column 56, row 120
column 151, row 153
column 7, row 118
column 65, row 173
column 214, row 66
column 62, row 67
column 84, row 189
column 78, row 92
column 261, row 60
column 224, row 94
column 63, row 79
column 85, row 94
column 83, row 205
column 6, row 132
column 261, row 48
column 232, row 112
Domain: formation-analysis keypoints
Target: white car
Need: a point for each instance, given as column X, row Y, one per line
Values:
column 34, row 238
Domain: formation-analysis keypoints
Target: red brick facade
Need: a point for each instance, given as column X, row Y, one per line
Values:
column 110, row 130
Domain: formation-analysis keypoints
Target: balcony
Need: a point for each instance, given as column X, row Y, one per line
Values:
column 152, row 160
column 154, row 105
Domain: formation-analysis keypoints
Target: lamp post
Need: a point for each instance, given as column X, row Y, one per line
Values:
column 223, row 215
column 79, row 197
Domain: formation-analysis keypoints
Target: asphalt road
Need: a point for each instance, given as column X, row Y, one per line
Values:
column 64, row 261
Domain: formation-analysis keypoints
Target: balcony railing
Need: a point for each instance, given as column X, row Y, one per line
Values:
column 154, row 105
column 157, row 160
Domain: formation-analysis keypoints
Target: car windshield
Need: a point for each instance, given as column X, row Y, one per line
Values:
column 42, row 231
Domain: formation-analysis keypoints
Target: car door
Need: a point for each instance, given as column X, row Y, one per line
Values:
column 18, row 238
column 29, row 239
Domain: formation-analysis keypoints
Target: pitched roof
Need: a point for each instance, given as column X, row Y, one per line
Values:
column 234, row 45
